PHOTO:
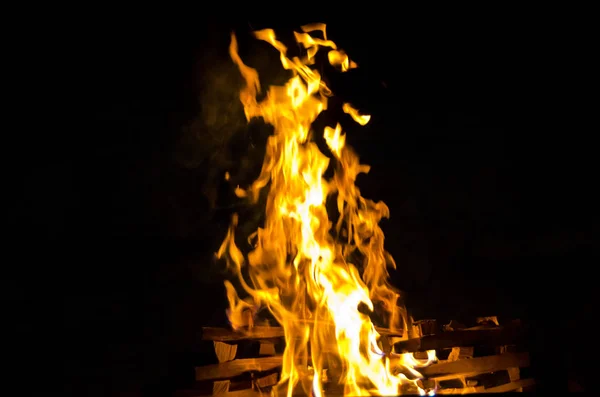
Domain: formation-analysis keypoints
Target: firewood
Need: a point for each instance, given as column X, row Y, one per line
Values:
column 221, row 386
column 414, row 330
column 265, row 381
column 514, row 373
column 459, row 366
column 237, row 393
column 453, row 325
column 244, row 393
column 228, row 335
column 261, row 384
column 464, row 338
column 492, row 320
column 388, row 332
column 481, row 385
column 225, row 352
column 462, row 369
column 265, row 333
column 234, row 368
column 465, row 390
column 506, row 349
column 267, row 349
column 477, row 365
column 512, row 386
column 491, row 379
column 428, row 327
column 461, row 375
column 329, row 389
column 461, row 353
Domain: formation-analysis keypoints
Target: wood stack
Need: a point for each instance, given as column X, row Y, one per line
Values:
column 482, row 358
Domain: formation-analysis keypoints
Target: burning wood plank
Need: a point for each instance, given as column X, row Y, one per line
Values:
column 266, row 333
column 228, row 335
column 467, row 367
column 226, row 340
column 465, row 390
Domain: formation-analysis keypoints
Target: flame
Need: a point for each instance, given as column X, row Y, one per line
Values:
column 303, row 267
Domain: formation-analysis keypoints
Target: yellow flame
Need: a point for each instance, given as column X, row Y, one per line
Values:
column 297, row 268
column 360, row 119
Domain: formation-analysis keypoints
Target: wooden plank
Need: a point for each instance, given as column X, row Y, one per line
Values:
column 228, row 335
column 487, row 320
column 444, row 377
column 514, row 373
column 266, row 381
column 246, row 393
column 262, row 332
column 511, row 386
column 221, row 386
column 267, row 349
column 428, row 327
column 479, row 365
column 388, row 332
column 466, row 390
column 461, row 353
column 237, row 393
column 235, row 368
column 463, row 338
column 225, row 351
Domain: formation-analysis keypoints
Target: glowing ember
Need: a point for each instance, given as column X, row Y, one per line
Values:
column 300, row 267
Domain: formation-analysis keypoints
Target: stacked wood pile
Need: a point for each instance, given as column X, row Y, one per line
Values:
column 482, row 358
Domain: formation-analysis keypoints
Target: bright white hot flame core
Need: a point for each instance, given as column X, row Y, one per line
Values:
column 309, row 279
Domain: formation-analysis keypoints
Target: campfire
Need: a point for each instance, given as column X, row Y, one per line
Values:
column 323, row 274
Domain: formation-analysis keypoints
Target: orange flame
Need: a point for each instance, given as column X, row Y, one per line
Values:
column 297, row 268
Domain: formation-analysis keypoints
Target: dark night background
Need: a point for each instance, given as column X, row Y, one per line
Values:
column 489, row 208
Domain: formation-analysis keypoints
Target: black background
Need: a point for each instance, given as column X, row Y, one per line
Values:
column 490, row 208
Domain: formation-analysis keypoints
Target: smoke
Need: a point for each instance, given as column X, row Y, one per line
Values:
column 218, row 140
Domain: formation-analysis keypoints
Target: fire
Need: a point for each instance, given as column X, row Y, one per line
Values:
column 303, row 267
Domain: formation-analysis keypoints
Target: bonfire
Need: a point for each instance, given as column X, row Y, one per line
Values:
column 320, row 275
